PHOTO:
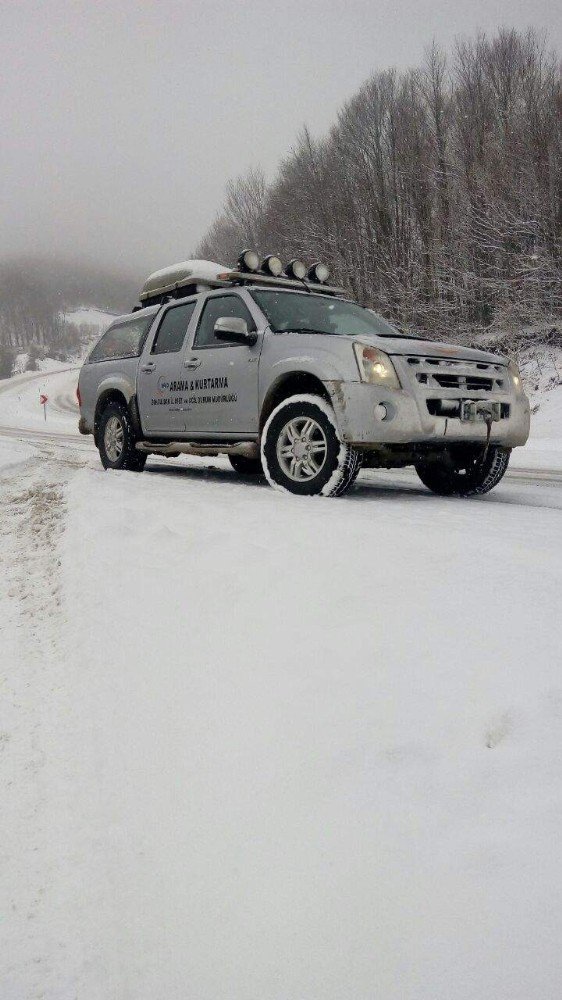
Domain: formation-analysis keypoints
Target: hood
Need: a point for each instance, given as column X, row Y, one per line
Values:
column 431, row 349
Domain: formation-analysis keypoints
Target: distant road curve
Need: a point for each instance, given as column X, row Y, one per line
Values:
column 62, row 401
column 67, row 403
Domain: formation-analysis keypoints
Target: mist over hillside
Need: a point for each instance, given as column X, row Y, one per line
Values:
column 35, row 295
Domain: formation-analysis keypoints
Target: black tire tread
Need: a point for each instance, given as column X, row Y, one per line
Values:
column 485, row 475
column 130, row 460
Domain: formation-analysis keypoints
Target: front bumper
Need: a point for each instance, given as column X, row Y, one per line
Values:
column 408, row 419
column 83, row 426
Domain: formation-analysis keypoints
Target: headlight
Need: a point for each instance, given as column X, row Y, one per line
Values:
column 515, row 376
column 375, row 366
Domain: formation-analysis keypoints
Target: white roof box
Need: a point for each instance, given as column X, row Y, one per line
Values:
column 203, row 273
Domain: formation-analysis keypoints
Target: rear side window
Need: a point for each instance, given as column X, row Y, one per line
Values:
column 214, row 309
column 124, row 339
column 173, row 328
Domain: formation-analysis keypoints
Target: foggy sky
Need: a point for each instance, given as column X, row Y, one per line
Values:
column 120, row 123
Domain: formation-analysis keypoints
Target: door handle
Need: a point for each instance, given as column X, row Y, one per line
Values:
column 148, row 367
column 192, row 363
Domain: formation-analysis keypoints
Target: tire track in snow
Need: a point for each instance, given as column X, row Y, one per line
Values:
column 34, row 518
column 35, row 713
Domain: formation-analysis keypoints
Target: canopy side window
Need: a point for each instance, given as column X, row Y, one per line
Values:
column 124, row 339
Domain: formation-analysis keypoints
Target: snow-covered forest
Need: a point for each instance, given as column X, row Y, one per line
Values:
column 436, row 195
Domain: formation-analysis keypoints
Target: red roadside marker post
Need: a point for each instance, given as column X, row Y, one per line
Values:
column 43, row 399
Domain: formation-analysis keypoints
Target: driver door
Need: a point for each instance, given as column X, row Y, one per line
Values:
column 161, row 375
column 223, row 400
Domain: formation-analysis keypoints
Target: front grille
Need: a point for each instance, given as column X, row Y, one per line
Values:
column 472, row 383
column 464, row 376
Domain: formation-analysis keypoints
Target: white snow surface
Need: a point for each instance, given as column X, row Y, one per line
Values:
column 13, row 453
column 254, row 747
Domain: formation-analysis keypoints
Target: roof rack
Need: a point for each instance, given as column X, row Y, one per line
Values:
column 191, row 276
column 254, row 278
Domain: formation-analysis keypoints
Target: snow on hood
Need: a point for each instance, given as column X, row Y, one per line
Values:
column 430, row 348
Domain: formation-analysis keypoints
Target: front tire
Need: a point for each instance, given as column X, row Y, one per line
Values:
column 301, row 450
column 463, row 473
column 117, row 440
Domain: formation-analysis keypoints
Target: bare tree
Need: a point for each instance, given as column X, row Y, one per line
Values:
column 436, row 195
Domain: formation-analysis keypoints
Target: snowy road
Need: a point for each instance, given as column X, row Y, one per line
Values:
column 253, row 746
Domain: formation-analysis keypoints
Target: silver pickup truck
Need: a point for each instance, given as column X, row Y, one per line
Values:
column 292, row 379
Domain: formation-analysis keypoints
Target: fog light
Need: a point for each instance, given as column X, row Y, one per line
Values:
column 272, row 265
column 319, row 272
column 248, row 261
column 296, row 269
column 381, row 411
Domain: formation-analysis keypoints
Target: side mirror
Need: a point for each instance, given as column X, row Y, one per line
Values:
column 234, row 330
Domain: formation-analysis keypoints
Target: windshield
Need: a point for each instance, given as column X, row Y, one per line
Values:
column 302, row 312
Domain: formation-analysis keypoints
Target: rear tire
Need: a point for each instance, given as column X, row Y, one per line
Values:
column 465, row 474
column 116, row 440
column 301, row 450
column 245, row 466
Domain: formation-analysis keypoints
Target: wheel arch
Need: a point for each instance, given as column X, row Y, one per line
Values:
column 116, row 394
column 292, row 383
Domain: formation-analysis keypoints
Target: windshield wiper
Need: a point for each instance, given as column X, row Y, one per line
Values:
column 307, row 329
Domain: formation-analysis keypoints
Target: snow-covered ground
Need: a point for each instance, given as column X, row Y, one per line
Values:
column 254, row 747
column 544, row 449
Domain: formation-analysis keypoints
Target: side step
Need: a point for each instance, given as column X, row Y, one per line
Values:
column 249, row 449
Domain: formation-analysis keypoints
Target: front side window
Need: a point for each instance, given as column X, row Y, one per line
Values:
column 301, row 312
column 214, row 309
column 173, row 328
column 124, row 339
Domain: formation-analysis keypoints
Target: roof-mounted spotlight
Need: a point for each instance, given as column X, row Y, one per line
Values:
column 248, row 261
column 319, row 272
column 272, row 265
column 296, row 269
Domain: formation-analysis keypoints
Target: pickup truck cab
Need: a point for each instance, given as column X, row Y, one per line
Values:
column 291, row 378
